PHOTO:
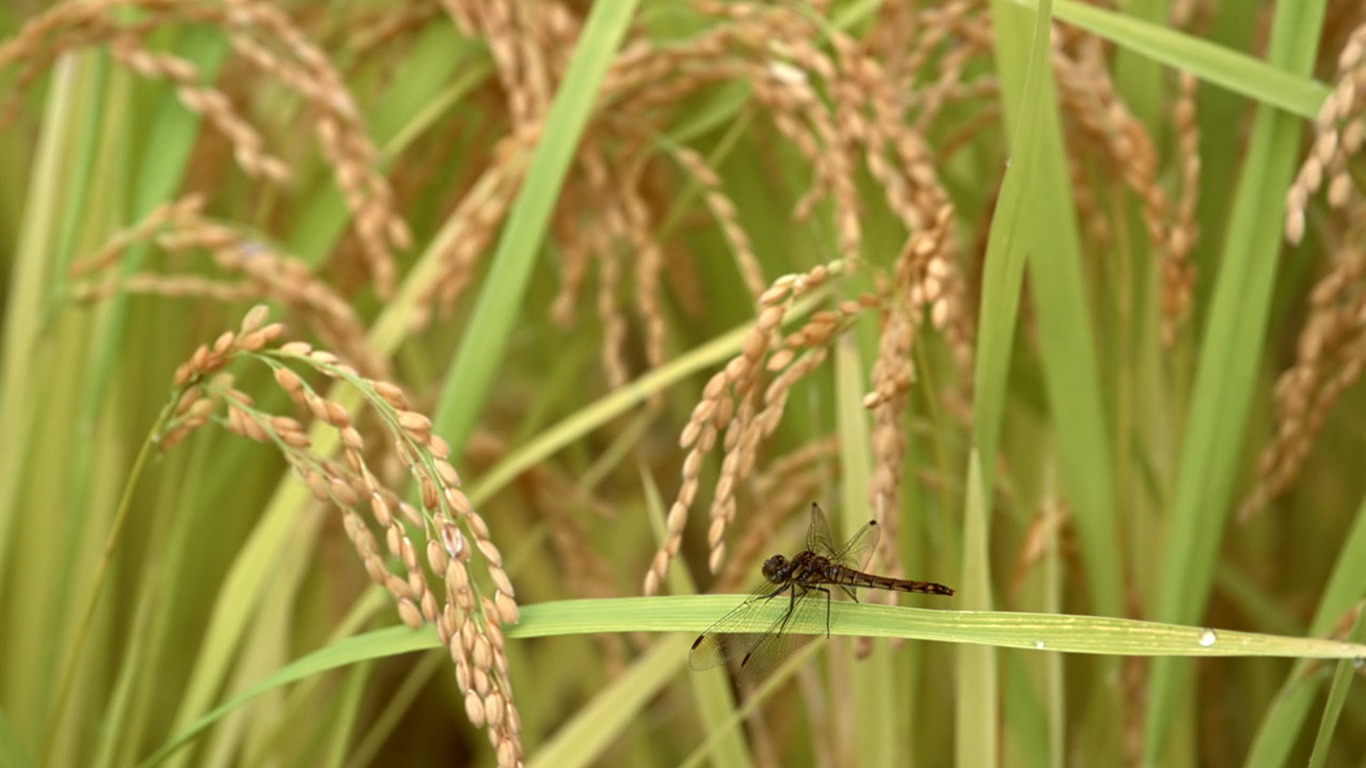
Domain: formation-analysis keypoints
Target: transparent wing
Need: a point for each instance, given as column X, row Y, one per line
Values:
column 743, row 638
column 859, row 549
column 818, row 536
column 854, row 554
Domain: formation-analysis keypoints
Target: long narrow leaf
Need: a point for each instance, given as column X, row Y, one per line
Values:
column 483, row 344
column 1266, row 82
column 1231, row 349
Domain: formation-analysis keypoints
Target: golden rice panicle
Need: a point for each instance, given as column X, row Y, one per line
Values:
column 1178, row 271
column 787, row 87
column 615, row 231
column 734, row 401
column 649, row 263
column 786, row 483
column 529, row 44
column 743, row 403
column 159, row 219
column 1048, row 523
column 785, row 80
column 181, row 227
column 1328, row 359
column 723, row 209
column 1340, row 131
column 604, row 237
column 263, row 37
column 436, row 539
column 469, row 230
column 836, row 109
column 1089, row 97
column 914, row 291
column 468, row 615
column 1102, row 120
column 72, row 26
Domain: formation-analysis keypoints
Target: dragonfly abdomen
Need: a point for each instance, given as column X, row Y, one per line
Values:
column 851, row 578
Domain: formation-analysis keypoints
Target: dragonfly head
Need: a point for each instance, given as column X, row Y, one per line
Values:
column 774, row 567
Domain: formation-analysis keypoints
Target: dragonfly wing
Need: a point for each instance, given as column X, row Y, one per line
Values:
column 818, row 536
column 713, row 650
column 781, row 641
column 767, row 653
column 859, row 549
column 734, row 638
column 723, row 640
column 710, row 650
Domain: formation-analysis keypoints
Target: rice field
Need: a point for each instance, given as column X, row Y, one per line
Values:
column 412, row 383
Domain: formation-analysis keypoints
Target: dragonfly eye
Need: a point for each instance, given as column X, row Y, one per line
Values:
column 773, row 566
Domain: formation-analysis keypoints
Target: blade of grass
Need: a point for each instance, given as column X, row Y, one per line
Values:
column 12, row 752
column 240, row 596
column 1023, row 55
column 583, row 738
column 352, row 650
column 121, row 699
column 49, row 378
column 1227, row 368
column 1281, row 723
column 1137, row 77
column 121, row 161
column 715, row 702
column 1272, row 83
column 79, row 386
column 1007, row 249
column 1024, row 724
column 483, row 345
column 1021, row 51
column 1067, row 633
column 344, row 720
column 1056, row 691
column 36, row 260
column 1337, row 694
column 397, row 705
column 1066, row 343
column 1068, row 361
column 778, row 678
column 423, row 87
column 976, row 730
column 180, row 528
column 265, row 646
column 688, row 614
column 871, row 704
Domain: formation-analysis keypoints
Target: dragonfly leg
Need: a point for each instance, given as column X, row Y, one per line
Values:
column 849, row 592
column 791, row 604
column 827, row 610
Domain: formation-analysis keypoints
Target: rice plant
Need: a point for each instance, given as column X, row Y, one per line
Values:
column 412, row 383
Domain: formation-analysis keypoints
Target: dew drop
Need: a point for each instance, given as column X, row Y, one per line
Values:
column 1038, row 645
column 1207, row 638
column 1359, row 662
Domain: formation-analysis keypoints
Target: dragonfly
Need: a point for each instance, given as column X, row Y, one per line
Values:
column 798, row 582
